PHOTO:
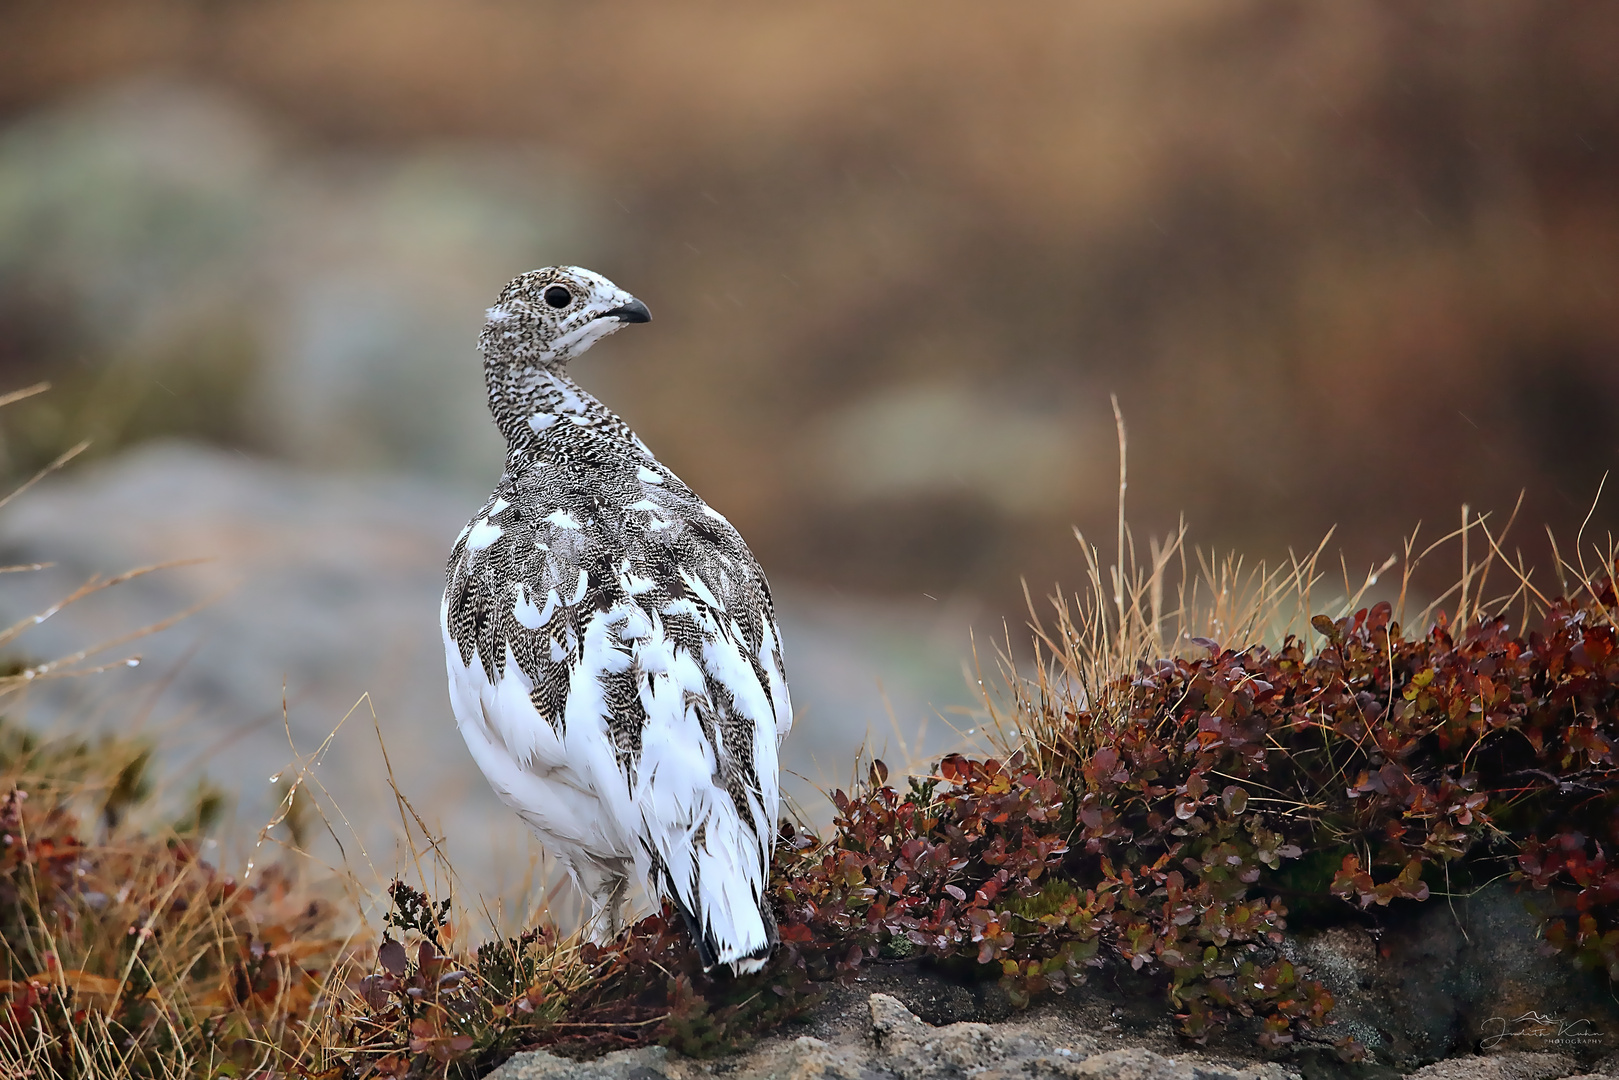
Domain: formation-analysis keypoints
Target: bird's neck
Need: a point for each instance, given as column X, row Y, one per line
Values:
column 536, row 406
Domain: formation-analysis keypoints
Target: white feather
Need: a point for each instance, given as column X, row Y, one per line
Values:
column 530, row 616
column 695, row 584
column 482, row 535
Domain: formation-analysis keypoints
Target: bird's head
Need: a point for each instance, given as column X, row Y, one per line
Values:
column 549, row 316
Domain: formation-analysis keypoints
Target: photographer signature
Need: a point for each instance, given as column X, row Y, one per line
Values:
column 1536, row 1025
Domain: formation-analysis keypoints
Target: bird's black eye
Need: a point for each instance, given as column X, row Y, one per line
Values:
column 558, row 296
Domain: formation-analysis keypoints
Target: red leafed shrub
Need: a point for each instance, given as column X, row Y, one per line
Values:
column 974, row 867
column 1377, row 769
column 937, row 871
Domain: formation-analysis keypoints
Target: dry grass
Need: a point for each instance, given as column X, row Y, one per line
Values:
column 1180, row 600
column 125, row 953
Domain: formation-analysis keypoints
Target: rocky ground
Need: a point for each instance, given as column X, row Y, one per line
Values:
column 1439, row 991
column 881, row 1039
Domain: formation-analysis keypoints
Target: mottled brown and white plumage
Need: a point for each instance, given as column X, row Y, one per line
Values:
column 613, row 657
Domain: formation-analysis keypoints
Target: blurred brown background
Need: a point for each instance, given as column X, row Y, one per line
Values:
column 1352, row 263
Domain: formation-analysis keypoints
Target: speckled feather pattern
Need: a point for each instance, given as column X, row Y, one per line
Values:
column 613, row 656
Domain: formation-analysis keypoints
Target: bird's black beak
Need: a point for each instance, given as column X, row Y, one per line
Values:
column 634, row 311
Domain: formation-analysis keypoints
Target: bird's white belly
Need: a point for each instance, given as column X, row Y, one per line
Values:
column 552, row 782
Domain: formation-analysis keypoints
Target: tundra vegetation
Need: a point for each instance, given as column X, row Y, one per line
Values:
column 1199, row 758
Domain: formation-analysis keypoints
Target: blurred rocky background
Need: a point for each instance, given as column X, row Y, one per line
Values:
column 1350, row 264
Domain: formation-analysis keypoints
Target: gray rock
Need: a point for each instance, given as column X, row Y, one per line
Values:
column 912, row 1050
column 1512, row 1065
column 900, row 1046
column 803, row 1058
column 1136, row 1064
column 1458, row 978
column 327, row 586
column 1345, row 960
column 641, row 1064
column 811, row 1059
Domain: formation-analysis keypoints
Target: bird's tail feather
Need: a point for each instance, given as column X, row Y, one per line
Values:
column 723, row 902
column 707, row 951
column 729, row 922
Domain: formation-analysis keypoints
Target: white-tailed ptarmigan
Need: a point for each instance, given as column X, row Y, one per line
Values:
column 613, row 656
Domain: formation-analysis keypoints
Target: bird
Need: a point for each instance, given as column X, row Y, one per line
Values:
column 614, row 662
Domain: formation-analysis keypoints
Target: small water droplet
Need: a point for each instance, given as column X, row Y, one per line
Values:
column 276, row 778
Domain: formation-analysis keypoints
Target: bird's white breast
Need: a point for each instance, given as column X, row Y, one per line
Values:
column 553, row 780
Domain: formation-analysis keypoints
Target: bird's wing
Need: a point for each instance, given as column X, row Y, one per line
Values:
column 700, row 672
column 672, row 686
